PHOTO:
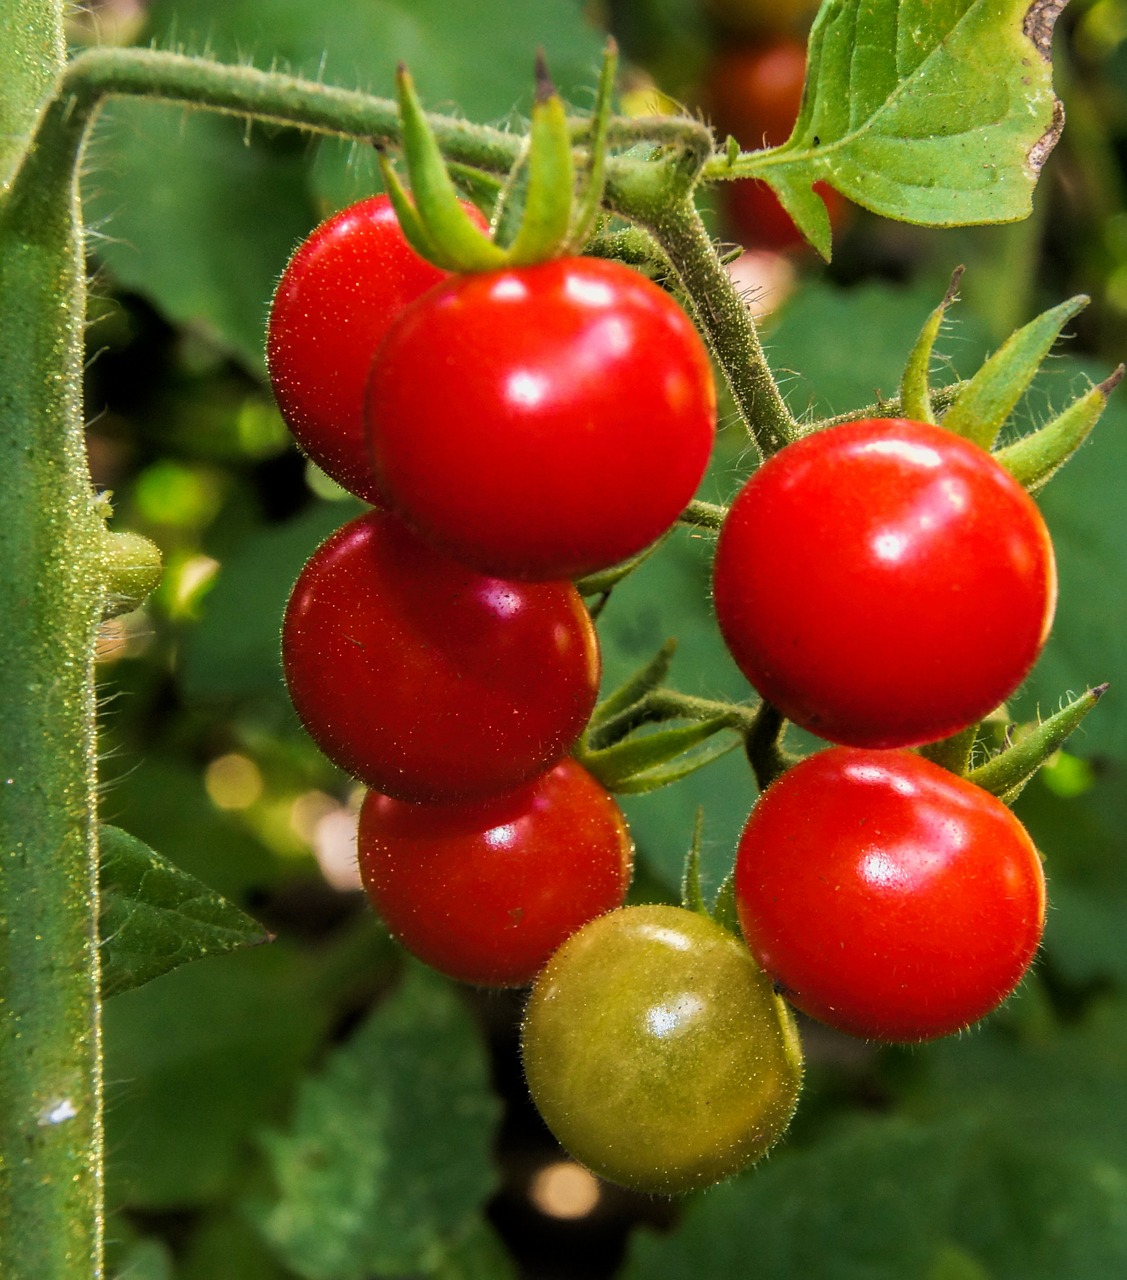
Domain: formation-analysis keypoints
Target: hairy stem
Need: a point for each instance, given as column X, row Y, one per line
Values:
column 50, row 594
column 725, row 322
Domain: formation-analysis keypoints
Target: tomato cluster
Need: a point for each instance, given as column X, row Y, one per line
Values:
column 883, row 584
column 513, row 434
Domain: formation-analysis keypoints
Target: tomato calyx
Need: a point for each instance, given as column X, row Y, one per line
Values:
column 553, row 217
column 631, row 762
column 982, row 405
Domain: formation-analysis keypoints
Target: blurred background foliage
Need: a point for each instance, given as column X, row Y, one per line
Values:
column 317, row 1107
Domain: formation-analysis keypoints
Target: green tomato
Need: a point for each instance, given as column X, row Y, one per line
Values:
column 658, row 1052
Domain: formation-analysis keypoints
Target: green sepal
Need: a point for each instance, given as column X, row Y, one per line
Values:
column 457, row 244
column 915, row 389
column 691, row 897
column 632, row 690
column 543, row 229
column 665, row 775
column 953, row 753
column 410, row 223
column 132, row 568
column 1005, row 774
column 1036, row 458
column 599, row 583
column 594, row 180
column 724, row 908
column 984, row 404
column 635, row 764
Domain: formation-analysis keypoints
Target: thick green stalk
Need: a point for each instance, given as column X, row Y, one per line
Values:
column 50, row 590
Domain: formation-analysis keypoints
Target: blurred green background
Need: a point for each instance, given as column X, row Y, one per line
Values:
column 318, row 1108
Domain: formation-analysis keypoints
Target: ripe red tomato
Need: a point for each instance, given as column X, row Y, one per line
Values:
column 657, row 1052
column 429, row 681
column 886, row 896
column 884, row 583
column 542, row 422
column 754, row 93
column 486, row 890
column 334, row 302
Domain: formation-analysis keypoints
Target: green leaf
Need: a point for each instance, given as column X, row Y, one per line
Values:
column 196, row 1064
column 938, row 112
column 387, row 1161
column 206, row 232
column 888, row 1199
column 235, row 649
column 156, row 917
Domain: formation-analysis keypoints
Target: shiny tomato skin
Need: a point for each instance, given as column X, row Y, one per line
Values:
column 429, row 681
column 658, row 1053
column 542, row 422
column 754, row 93
column 337, row 296
column 886, row 896
column 884, row 583
column 485, row 891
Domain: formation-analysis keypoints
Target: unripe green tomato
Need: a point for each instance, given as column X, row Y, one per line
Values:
column 657, row 1051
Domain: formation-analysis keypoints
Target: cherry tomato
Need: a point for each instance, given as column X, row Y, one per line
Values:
column 884, row 583
column 886, row 896
column 429, row 681
column 334, row 302
column 658, row 1053
column 542, row 422
column 486, row 890
column 754, row 93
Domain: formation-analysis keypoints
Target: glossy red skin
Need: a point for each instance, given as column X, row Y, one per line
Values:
column 884, row 583
column 886, row 896
column 754, row 94
column 426, row 680
column 542, row 422
column 486, row 891
column 341, row 290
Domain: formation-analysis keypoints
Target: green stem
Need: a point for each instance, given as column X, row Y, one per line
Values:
column 51, row 547
column 722, row 315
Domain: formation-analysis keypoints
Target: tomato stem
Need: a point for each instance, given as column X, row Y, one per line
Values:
column 51, row 595
column 723, row 319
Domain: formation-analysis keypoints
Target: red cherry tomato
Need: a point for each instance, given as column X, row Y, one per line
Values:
column 334, row 302
column 542, row 422
column 485, row 891
column 754, row 93
column 429, row 681
column 884, row 583
column 886, row 896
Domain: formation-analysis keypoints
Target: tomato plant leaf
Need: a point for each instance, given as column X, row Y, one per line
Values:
column 935, row 113
column 889, row 1198
column 156, row 917
column 390, row 1144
